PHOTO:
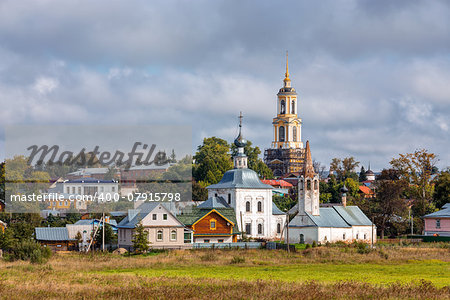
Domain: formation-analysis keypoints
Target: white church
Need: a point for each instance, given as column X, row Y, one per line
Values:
column 251, row 199
column 331, row 223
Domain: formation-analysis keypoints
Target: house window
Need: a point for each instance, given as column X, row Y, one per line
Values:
column 247, row 206
column 229, row 198
column 154, row 216
column 65, row 203
column 212, row 224
column 187, row 237
column 259, row 206
column 343, row 236
column 79, row 190
column 159, row 235
column 164, row 216
column 438, row 223
column 248, row 228
column 220, row 241
column 113, row 189
column 68, row 190
column 278, row 228
column 260, row 229
column 73, row 190
column 281, row 133
column 173, row 235
column 205, row 241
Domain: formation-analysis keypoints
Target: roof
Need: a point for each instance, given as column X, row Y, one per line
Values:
column 51, row 234
column 89, row 171
column 240, row 178
column 214, row 202
column 136, row 215
column 276, row 210
column 90, row 221
column 353, row 215
column 89, row 180
column 189, row 217
column 366, row 190
column 328, row 218
column 443, row 213
column 273, row 182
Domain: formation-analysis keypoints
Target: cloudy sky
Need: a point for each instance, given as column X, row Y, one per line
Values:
column 373, row 77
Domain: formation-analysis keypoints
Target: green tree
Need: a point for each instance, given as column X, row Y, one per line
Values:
column 140, row 239
column 441, row 193
column 344, row 168
column 199, row 192
column 284, row 202
column 110, row 236
column 212, row 160
column 362, row 174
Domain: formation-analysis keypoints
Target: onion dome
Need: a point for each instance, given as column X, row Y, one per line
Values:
column 343, row 189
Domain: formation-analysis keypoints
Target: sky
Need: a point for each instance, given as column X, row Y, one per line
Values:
column 373, row 77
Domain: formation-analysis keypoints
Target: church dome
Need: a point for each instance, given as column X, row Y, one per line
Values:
column 240, row 141
column 240, row 178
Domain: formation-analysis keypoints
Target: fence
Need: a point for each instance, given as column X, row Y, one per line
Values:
column 279, row 246
column 240, row 245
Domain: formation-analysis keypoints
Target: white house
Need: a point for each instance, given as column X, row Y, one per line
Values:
column 251, row 199
column 164, row 229
column 325, row 224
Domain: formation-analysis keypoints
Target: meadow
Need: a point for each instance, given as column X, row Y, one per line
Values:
column 315, row 273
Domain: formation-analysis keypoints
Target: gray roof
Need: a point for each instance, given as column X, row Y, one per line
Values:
column 90, row 221
column 276, row 210
column 443, row 213
column 136, row 215
column 51, row 234
column 353, row 215
column 240, row 178
column 328, row 218
column 214, row 202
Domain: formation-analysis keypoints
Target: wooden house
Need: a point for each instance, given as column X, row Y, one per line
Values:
column 213, row 221
column 56, row 238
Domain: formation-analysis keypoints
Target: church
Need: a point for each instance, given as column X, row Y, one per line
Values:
column 256, row 215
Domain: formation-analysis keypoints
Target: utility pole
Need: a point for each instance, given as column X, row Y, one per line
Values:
column 372, row 231
column 103, row 232
column 287, row 232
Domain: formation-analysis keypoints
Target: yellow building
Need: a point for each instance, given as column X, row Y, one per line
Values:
column 286, row 154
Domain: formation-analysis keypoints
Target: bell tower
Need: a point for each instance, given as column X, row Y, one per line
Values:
column 287, row 126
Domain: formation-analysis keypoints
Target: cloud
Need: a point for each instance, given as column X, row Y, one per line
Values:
column 372, row 76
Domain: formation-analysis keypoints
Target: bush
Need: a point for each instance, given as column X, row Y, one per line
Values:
column 29, row 250
column 237, row 260
column 363, row 248
column 314, row 244
column 307, row 246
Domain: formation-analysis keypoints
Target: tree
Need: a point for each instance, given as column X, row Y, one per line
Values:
column 110, row 236
column 416, row 169
column 389, row 203
column 362, row 174
column 344, row 168
column 212, row 160
column 284, row 202
column 199, row 192
column 140, row 239
column 79, row 238
column 173, row 157
column 441, row 193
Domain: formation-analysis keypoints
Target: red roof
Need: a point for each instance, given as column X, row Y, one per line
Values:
column 280, row 182
column 365, row 190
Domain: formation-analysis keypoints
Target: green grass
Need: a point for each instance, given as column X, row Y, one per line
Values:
column 436, row 272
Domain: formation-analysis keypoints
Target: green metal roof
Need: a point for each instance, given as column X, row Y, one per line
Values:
column 240, row 178
column 52, row 234
column 353, row 215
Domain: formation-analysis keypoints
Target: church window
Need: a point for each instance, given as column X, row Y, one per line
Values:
column 283, row 107
column 357, row 236
column 343, row 236
column 278, row 228
column 365, row 236
column 247, row 206
column 316, row 185
column 308, row 185
column 260, row 229
column 302, row 238
column 229, row 198
column 294, row 134
column 259, row 206
column 293, row 107
column 301, row 184
column 281, row 133
column 248, row 228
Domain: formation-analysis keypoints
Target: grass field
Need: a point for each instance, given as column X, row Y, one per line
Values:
column 323, row 272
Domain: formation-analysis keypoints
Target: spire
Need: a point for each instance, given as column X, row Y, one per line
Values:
column 308, row 170
column 240, row 141
column 240, row 159
column 286, row 75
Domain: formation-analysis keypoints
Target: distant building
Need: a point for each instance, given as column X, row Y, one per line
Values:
column 87, row 187
column 164, row 229
column 280, row 186
column 366, row 192
column 97, row 173
column 213, row 221
column 370, row 175
column 438, row 223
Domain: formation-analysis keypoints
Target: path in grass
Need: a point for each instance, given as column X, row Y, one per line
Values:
column 435, row 271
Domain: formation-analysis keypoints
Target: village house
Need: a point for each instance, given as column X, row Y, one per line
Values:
column 438, row 223
column 213, row 221
column 105, row 189
column 366, row 192
column 165, row 231
column 56, row 238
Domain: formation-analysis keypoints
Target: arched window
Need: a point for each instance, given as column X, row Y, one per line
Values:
column 173, row 235
column 283, row 107
column 293, row 107
column 316, row 185
column 159, row 235
column 278, row 228
column 259, row 206
column 247, row 206
column 308, row 184
column 281, row 133
column 294, row 134
column 260, row 229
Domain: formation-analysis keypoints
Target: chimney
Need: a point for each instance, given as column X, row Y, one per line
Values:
column 344, row 191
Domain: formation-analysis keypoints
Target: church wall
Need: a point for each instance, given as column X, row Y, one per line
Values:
column 363, row 233
column 277, row 219
column 334, row 234
column 310, row 234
